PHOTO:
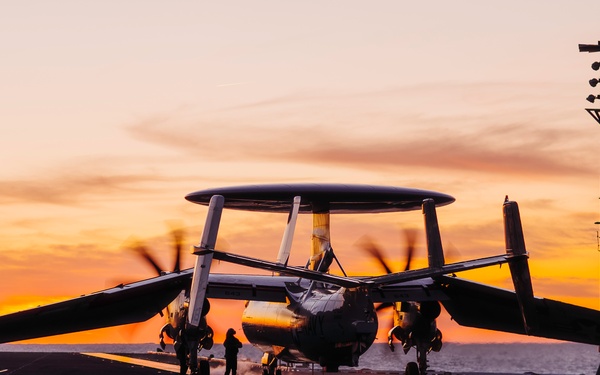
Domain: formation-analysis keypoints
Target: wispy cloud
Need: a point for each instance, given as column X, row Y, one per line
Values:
column 73, row 184
column 353, row 131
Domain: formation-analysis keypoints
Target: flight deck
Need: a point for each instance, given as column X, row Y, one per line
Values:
column 35, row 363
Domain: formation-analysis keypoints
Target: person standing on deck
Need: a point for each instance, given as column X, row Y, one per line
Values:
column 232, row 346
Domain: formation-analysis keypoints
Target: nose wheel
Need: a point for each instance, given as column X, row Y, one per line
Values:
column 269, row 365
column 419, row 367
column 412, row 369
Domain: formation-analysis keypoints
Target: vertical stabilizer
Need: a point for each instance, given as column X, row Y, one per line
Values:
column 203, row 262
column 519, row 266
column 435, row 252
column 288, row 235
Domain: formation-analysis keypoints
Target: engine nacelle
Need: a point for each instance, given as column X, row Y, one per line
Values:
column 430, row 309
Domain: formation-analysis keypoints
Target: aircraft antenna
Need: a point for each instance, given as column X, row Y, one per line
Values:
column 597, row 223
column 598, row 235
column 594, row 112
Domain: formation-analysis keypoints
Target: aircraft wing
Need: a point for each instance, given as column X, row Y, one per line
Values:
column 421, row 290
column 249, row 287
column 476, row 305
column 132, row 303
column 123, row 304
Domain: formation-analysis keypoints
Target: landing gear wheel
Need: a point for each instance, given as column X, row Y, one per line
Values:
column 204, row 368
column 269, row 364
column 422, row 360
column 412, row 368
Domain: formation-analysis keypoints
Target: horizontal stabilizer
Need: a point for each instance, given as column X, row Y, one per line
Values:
column 282, row 269
column 451, row 268
column 371, row 281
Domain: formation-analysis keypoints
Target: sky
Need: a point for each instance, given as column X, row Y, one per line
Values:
column 111, row 113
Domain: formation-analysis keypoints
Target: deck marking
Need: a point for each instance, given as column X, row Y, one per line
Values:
column 136, row 361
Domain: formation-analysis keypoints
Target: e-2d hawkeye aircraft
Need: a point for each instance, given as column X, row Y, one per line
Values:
column 306, row 314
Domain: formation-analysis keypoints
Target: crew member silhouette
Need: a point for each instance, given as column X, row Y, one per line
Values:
column 232, row 346
column 186, row 338
column 179, row 342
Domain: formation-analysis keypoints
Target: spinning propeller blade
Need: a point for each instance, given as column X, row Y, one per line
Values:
column 143, row 252
column 370, row 247
column 410, row 236
column 177, row 235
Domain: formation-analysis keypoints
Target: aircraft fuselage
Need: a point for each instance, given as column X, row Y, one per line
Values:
column 329, row 326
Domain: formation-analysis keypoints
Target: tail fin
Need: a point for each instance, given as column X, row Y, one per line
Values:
column 435, row 253
column 288, row 235
column 196, row 308
column 519, row 266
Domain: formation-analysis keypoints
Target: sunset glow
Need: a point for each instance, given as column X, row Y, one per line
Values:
column 111, row 115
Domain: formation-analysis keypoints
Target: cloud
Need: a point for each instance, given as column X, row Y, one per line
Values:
column 447, row 151
column 367, row 131
column 569, row 286
column 73, row 184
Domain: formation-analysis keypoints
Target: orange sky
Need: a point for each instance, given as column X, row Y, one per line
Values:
column 111, row 115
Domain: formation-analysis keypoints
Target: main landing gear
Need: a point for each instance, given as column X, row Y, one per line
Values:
column 269, row 365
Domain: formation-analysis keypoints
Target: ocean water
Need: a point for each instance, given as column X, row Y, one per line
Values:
column 516, row 358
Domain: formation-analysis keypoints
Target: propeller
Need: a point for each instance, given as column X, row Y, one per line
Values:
column 410, row 236
column 177, row 235
column 370, row 247
column 139, row 248
column 409, row 331
column 143, row 252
